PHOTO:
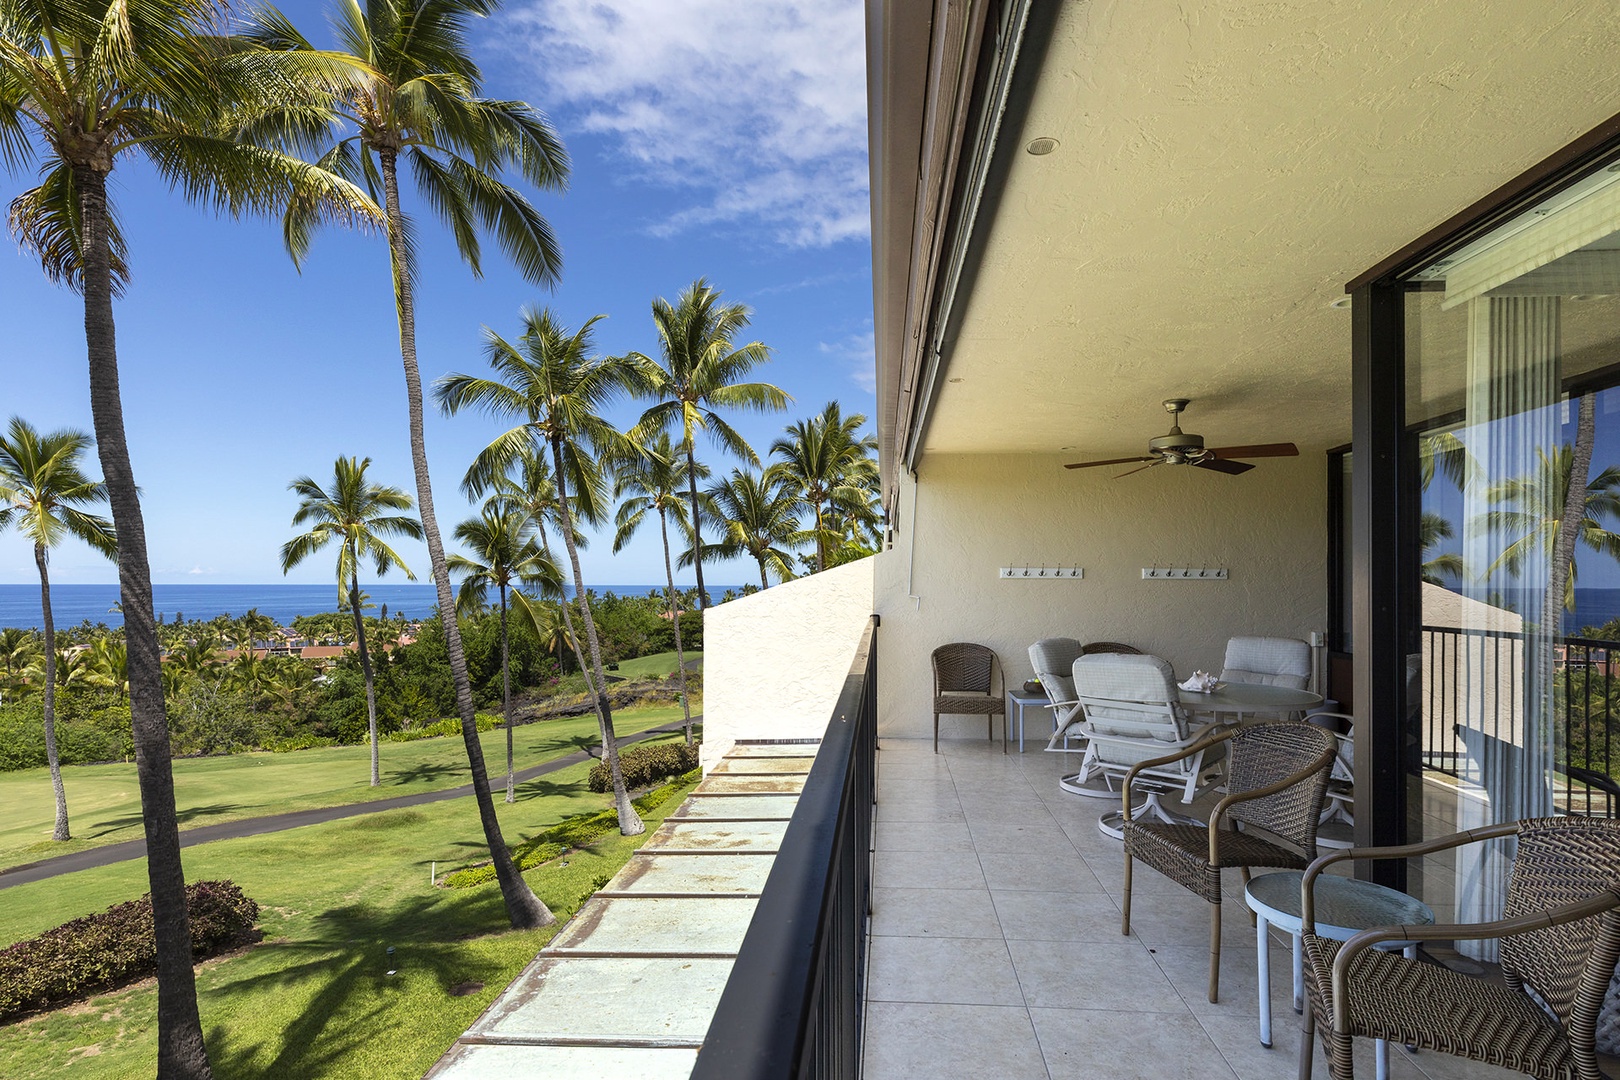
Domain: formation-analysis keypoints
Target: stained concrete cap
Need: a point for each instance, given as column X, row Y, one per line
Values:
column 477, row 1062
column 609, row 998
column 807, row 751
column 749, row 807
column 636, row 925
column 720, row 835
column 755, row 785
column 695, row 874
column 761, row 765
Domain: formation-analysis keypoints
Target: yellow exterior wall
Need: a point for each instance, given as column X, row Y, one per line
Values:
column 966, row 515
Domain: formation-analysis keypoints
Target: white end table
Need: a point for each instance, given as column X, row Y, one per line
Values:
column 1019, row 699
column 1344, row 908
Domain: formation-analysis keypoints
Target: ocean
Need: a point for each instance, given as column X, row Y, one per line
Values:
column 73, row 604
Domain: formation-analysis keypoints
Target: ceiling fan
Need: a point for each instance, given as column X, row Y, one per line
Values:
column 1179, row 448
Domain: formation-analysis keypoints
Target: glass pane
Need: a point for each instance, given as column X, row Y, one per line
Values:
column 1519, row 554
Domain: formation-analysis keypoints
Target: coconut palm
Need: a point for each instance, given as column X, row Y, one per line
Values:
column 549, row 383
column 359, row 515
column 505, row 555
column 759, row 513
column 651, row 481
column 415, row 95
column 831, row 464
column 1531, row 508
column 44, row 493
column 17, row 651
column 1432, row 529
column 697, row 373
column 85, row 85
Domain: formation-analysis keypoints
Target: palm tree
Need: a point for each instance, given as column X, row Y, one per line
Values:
column 414, row 92
column 85, row 84
column 43, row 492
column 698, row 374
column 556, row 391
column 17, row 651
column 357, row 514
column 652, row 479
column 1433, row 528
column 759, row 512
column 1531, row 508
column 831, row 465
column 505, row 556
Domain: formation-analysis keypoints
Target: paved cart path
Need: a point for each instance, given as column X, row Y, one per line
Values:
column 231, row 830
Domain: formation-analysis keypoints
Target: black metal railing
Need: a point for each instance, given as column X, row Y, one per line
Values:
column 792, row 1006
column 1474, row 682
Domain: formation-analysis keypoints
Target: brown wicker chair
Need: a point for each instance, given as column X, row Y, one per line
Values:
column 967, row 680
column 1091, row 647
column 1560, row 937
column 1277, row 777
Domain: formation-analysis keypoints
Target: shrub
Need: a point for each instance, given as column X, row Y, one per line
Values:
column 304, row 741
column 116, row 947
column 448, row 726
column 643, row 765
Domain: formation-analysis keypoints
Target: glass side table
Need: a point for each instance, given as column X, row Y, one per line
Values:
column 1344, row 908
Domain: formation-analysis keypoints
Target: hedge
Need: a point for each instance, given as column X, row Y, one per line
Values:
column 449, row 726
column 117, row 947
column 643, row 765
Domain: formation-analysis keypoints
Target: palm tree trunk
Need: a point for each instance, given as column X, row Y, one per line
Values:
column 182, row 1055
column 523, row 909
column 675, row 615
column 697, row 524
column 365, row 669
column 61, row 831
column 821, row 547
column 630, row 823
column 1573, row 512
column 764, row 582
column 506, row 700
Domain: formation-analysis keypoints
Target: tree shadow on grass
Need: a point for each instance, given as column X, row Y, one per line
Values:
column 425, row 772
column 357, row 1008
column 184, row 817
column 540, row 787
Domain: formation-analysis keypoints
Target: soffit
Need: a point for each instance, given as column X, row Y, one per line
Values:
column 1222, row 170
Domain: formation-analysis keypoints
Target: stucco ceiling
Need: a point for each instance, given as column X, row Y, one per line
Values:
column 1222, row 170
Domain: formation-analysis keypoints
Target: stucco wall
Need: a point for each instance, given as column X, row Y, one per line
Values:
column 974, row 513
column 775, row 662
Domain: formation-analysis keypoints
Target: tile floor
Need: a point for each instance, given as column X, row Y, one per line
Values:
column 996, row 951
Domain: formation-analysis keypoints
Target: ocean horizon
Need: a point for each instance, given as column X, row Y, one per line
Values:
column 72, row 605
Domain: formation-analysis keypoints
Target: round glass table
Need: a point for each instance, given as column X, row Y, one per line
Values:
column 1344, row 908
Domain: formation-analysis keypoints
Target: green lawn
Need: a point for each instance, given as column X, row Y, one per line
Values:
column 104, row 805
column 659, row 664
column 314, row 1000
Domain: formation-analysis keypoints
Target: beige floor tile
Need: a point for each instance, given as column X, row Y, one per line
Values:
column 922, row 836
column 1239, row 1041
column 952, row 971
column 1187, row 968
column 1026, row 837
column 1063, row 872
column 965, row 913
column 1057, row 916
column 935, row 1042
column 928, row 870
column 1127, row 1046
column 1092, row 975
column 893, row 808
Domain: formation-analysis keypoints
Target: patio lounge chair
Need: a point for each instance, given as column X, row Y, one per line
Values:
column 1560, row 938
column 1132, row 712
column 1276, row 778
column 1053, row 660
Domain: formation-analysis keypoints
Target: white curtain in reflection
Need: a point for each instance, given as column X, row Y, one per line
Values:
column 1512, row 428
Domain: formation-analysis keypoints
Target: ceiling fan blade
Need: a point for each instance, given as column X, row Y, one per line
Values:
column 1231, row 468
column 1111, row 461
column 1276, row 449
column 1133, row 472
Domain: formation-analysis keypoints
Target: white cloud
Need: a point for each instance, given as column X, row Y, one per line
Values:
column 758, row 107
column 857, row 353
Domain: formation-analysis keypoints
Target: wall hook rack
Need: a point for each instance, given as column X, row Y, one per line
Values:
column 1041, row 573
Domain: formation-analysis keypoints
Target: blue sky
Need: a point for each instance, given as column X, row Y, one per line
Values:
column 711, row 138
